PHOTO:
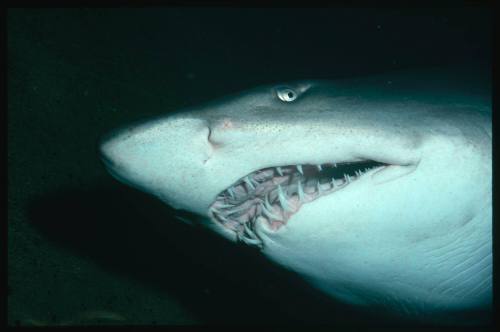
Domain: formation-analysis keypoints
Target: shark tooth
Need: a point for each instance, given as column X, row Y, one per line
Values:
column 283, row 200
column 300, row 191
column 270, row 214
column 249, row 183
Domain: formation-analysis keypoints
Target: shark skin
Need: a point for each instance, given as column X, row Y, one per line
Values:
column 409, row 237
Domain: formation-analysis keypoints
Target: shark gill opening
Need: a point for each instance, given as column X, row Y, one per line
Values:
column 274, row 194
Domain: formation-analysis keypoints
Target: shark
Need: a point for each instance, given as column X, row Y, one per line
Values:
column 376, row 190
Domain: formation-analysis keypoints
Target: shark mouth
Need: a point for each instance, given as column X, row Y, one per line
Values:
column 274, row 194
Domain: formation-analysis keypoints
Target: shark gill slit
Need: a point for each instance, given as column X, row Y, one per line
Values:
column 274, row 194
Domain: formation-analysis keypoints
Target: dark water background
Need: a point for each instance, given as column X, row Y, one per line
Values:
column 83, row 249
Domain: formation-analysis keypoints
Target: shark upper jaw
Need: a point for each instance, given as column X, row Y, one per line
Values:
column 272, row 195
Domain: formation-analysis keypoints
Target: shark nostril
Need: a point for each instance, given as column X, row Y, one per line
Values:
column 226, row 124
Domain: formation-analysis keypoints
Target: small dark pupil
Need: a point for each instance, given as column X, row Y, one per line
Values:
column 290, row 94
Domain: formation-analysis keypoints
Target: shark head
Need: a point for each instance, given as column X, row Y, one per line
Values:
column 378, row 200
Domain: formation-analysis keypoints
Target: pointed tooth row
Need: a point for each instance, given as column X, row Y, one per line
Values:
column 319, row 188
column 233, row 215
column 252, row 183
column 282, row 197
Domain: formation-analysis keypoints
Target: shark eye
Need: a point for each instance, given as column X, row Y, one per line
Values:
column 286, row 94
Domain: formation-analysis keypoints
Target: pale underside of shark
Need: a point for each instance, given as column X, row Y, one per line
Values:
column 376, row 191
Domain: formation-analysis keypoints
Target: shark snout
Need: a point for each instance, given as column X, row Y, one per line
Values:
column 105, row 148
column 159, row 156
column 112, row 149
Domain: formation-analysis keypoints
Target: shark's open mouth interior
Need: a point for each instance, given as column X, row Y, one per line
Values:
column 274, row 194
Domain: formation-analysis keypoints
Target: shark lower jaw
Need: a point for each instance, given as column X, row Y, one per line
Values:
column 272, row 195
